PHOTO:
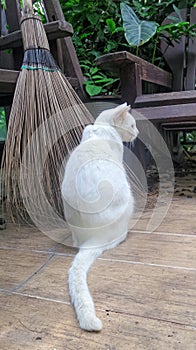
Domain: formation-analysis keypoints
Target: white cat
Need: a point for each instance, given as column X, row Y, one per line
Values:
column 97, row 201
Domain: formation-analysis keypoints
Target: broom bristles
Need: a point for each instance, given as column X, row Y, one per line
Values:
column 45, row 124
column 46, row 121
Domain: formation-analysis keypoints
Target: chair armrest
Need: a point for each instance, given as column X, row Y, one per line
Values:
column 149, row 72
column 8, row 80
column 54, row 30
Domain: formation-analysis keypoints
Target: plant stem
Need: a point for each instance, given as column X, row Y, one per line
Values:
column 154, row 49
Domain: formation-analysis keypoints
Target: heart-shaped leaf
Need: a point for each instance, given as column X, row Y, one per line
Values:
column 137, row 32
column 93, row 90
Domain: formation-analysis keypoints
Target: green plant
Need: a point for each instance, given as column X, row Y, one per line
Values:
column 190, row 138
column 97, row 82
column 3, row 4
column 98, row 29
column 97, row 26
column 3, row 127
column 39, row 10
column 137, row 32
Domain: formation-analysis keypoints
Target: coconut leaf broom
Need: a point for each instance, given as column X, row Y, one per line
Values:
column 45, row 124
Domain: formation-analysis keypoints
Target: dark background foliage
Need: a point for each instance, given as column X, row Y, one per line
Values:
column 98, row 24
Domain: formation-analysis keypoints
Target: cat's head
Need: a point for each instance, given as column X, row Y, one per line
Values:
column 120, row 118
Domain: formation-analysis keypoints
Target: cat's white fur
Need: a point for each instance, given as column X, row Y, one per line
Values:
column 97, row 201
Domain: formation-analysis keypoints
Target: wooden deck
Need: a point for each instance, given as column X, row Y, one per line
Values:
column 144, row 290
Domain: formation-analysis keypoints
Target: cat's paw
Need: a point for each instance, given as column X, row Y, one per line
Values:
column 92, row 324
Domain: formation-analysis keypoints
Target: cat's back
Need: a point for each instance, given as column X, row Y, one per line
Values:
column 95, row 189
column 97, row 158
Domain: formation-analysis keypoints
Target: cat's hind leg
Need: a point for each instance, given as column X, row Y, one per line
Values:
column 78, row 288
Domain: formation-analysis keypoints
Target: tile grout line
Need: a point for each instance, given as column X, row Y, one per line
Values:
column 42, row 298
column 47, row 252
column 149, row 264
column 7, row 291
column 33, row 274
column 164, row 233
column 130, row 262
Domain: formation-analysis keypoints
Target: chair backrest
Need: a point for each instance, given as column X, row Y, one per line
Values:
column 181, row 56
column 66, row 52
column 191, row 56
column 9, row 24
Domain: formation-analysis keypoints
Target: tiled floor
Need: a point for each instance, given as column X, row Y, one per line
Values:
column 144, row 290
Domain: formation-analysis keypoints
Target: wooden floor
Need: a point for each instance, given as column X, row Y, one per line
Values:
column 144, row 290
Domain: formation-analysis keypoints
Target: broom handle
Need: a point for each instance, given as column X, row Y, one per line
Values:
column 28, row 6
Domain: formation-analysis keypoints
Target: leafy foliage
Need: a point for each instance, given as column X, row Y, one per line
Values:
column 3, row 4
column 39, row 10
column 97, row 26
column 98, row 82
column 191, row 138
column 3, row 127
column 98, row 30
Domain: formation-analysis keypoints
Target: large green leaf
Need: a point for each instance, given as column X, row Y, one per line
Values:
column 93, row 90
column 137, row 32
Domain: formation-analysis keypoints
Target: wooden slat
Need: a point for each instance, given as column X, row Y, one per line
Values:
column 116, row 61
column 174, row 54
column 54, row 10
column 179, row 126
column 8, row 75
column 54, row 30
column 191, row 59
column 184, row 112
column 58, row 29
column 12, row 25
column 6, row 59
column 8, row 81
column 164, row 99
column 65, row 51
column 13, row 7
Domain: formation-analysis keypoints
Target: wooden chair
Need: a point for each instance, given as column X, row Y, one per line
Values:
column 177, row 105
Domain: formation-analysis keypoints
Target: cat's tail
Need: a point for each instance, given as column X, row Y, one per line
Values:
column 78, row 288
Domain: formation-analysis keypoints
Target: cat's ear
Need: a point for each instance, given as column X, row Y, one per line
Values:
column 120, row 113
